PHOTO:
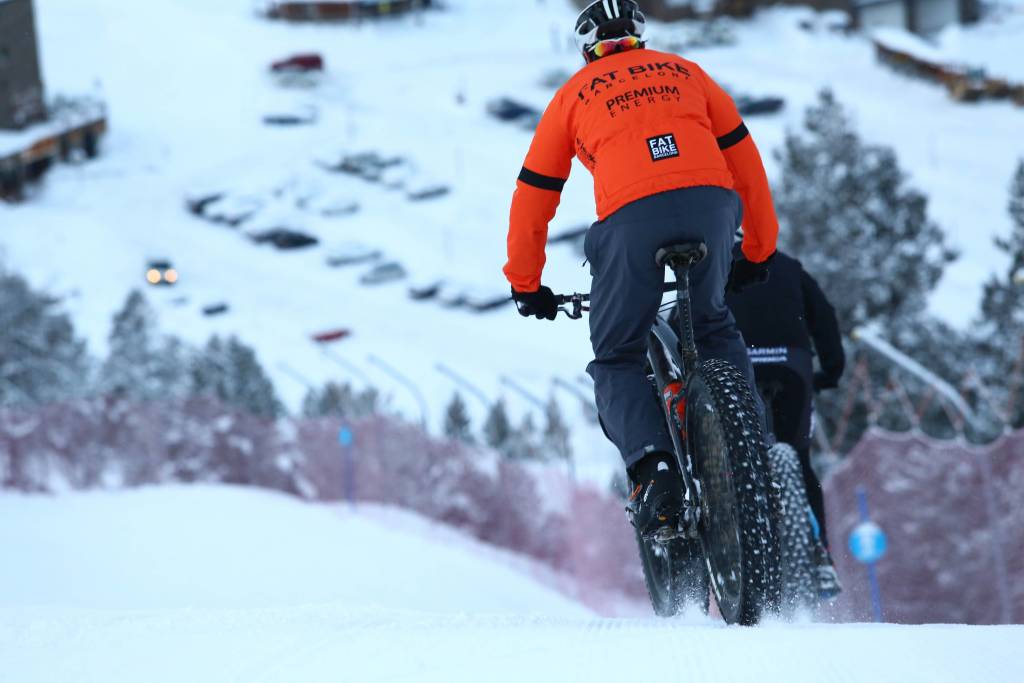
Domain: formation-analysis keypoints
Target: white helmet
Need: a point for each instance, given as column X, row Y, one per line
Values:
column 607, row 20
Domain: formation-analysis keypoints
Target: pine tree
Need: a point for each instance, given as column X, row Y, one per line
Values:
column 230, row 372
column 523, row 443
column 1001, row 329
column 456, row 420
column 129, row 363
column 497, row 427
column 341, row 400
column 848, row 214
column 41, row 359
column 555, row 443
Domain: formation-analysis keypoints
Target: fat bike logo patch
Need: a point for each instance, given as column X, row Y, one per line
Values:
column 663, row 147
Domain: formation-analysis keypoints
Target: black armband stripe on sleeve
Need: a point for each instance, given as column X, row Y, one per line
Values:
column 544, row 182
column 735, row 137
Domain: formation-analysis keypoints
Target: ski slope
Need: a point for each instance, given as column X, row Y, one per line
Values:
column 217, row 584
column 187, row 86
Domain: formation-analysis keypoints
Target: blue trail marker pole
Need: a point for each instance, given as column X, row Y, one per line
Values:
column 868, row 544
column 347, row 438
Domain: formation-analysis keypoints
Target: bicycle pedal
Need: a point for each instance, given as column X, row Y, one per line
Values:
column 665, row 534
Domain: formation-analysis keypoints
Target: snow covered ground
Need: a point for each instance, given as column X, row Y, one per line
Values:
column 187, row 86
column 221, row 584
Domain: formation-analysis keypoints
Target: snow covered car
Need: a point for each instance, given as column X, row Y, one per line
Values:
column 329, row 206
column 284, row 238
column 424, row 290
column 483, row 299
column 301, row 116
column 383, row 273
column 369, row 166
column 507, row 109
column 231, row 209
column 454, row 294
column 161, row 272
column 418, row 189
column 352, row 253
column 300, row 63
column 752, row 106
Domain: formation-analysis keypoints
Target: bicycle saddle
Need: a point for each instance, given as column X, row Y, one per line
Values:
column 683, row 254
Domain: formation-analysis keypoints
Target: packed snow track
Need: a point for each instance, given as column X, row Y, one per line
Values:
column 219, row 584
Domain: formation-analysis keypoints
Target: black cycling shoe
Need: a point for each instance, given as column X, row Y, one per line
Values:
column 657, row 496
column 829, row 586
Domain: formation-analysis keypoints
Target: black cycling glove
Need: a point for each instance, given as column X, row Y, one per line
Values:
column 824, row 381
column 746, row 274
column 540, row 304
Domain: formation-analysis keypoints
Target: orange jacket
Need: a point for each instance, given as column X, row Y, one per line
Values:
column 642, row 122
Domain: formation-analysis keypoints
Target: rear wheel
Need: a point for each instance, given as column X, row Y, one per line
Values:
column 730, row 462
column 675, row 575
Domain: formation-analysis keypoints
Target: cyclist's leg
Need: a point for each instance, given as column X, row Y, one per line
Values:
column 791, row 412
column 626, row 293
column 624, row 297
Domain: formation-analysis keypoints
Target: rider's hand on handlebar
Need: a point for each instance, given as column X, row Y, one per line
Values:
column 746, row 274
column 824, row 381
column 540, row 304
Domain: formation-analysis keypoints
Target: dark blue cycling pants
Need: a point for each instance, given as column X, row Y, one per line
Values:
column 627, row 291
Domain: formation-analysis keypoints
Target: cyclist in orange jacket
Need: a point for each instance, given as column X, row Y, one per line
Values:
column 672, row 161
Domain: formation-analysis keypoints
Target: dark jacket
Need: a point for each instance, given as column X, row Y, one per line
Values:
column 791, row 310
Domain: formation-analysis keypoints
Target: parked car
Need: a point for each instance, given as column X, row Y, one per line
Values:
column 752, row 106
column 454, row 294
column 300, row 63
column 418, row 191
column 383, row 273
column 302, row 116
column 425, row 289
column 369, row 166
column 507, row 109
column 487, row 299
column 231, row 209
column 216, row 309
column 352, row 253
column 328, row 336
column 161, row 273
column 284, row 238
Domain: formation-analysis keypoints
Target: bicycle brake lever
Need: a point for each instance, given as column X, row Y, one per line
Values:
column 572, row 315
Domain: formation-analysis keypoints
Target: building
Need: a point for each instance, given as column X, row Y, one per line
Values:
column 21, row 83
column 924, row 17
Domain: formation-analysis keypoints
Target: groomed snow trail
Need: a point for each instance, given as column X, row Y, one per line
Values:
column 223, row 584
column 333, row 644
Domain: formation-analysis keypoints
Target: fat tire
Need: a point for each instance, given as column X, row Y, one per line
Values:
column 797, row 542
column 675, row 575
column 737, row 521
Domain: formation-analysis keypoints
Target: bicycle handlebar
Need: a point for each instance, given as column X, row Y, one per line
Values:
column 577, row 300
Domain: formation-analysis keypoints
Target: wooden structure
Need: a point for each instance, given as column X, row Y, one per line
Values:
column 964, row 84
column 33, row 136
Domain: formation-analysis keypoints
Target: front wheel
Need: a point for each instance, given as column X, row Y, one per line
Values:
column 797, row 540
column 730, row 462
